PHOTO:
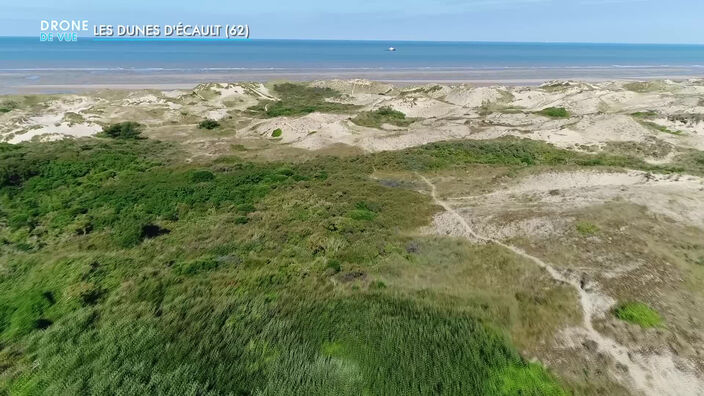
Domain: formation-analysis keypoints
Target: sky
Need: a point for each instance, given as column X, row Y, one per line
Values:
column 619, row 21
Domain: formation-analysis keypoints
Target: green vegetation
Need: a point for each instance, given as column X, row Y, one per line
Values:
column 586, row 228
column 507, row 152
column 644, row 86
column 489, row 107
column 123, row 130
column 382, row 115
column 208, row 124
column 659, row 128
column 638, row 313
column 300, row 99
column 645, row 114
column 73, row 118
column 650, row 148
column 421, row 90
column 554, row 112
column 126, row 271
column 557, row 86
column 276, row 133
column 7, row 106
column 528, row 381
column 519, row 152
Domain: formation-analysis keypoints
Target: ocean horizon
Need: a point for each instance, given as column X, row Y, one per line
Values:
column 30, row 65
column 28, row 53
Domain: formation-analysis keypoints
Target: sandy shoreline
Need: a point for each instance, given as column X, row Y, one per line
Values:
column 29, row 81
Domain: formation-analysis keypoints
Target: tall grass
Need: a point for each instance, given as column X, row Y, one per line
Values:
column 520, row 153
column 126, row 272
column 638, row 313
column 381, row 116
column 300, row 99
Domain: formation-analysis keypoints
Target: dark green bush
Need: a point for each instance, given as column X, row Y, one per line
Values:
column 201, row 176
column 208, row 124
column 123, row 130
column 246, row 208
column 362, row 214
column 276, row 133
column 334, row 265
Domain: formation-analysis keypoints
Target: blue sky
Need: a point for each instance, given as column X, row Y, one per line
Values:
column 629, row 21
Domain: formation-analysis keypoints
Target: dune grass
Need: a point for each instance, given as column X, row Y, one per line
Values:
column 644, row 86
column 381, row 116
column 645, row 114
column 127, row 271
column 586, row 228
column 8, row 106
column 298, row 100
column 554, row 112
column 660, row 128
column 638, row 313
column 520, row 153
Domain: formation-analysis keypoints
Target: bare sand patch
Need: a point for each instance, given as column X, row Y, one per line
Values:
column 660, row 373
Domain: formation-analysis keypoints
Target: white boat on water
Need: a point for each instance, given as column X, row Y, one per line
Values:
column 392, row 49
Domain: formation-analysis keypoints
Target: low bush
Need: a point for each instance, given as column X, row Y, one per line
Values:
column 555, row 112
column 8, row 106
column 208, row 124
column 383, row 115
column 201, row 176
column 123, row 130
column 638, row 313
column 660, row 128
column 586, row 228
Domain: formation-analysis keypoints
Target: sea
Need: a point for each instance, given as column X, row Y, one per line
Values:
column 27, row 62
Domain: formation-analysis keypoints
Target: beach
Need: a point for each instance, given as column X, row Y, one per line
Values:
column 68, row 81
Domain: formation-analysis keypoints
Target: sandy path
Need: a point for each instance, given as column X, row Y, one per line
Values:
column 651, row 375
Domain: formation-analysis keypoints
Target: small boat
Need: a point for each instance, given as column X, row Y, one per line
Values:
column 392, row 49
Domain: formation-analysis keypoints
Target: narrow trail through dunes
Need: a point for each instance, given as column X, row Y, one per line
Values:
column 648, row 374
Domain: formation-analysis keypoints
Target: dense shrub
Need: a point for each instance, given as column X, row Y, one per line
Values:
column 123, row 130
column 208, row 124
column 201, row 176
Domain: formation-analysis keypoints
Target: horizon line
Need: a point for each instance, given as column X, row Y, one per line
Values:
column 373, row 40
